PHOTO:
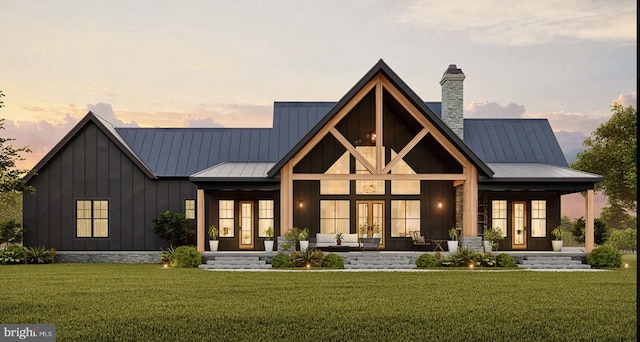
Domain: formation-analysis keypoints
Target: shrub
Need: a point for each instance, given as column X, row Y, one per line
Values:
column 309, row 257
column 38, row 255
column 281, row 260
column 485, row 260
column 505, row 260
column 426, row 260
column 624, row 240
column 174, row 228
column 600, row 231
column 604, row 256
column 165, row 257
column 464, row 257
column 333, row 260
column 186, row 257
column 10, row 232
column 446, row 261
column 12, row 255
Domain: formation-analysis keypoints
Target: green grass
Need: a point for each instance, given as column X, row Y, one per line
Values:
column 115, row 302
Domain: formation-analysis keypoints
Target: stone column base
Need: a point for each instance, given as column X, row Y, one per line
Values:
column 472, row 242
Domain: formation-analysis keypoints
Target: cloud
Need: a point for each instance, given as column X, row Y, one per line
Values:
column 571, row 143
column 195, row 122
column 493, row 110
column 105, row 111
column 42, row 135
column 628, row 100
column 519, row 23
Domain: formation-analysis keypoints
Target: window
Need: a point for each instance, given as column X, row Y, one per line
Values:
column 499, row 215
column 403, row 187
column 368, row 187
column 334, row 217
column 92, row 218
column 337, row 187
column 190, row 209
column 405, row 217
column 265, row 216
column 539, row 218
column 226, row 218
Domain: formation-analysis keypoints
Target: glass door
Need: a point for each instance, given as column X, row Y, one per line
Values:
column 519, row 228
column 246, row 225
column 370, row 215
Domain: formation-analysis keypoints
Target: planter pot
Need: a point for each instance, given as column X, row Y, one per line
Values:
column 486, row 245
column 557, row 245
column 452, row 246
column 213, row 245
column 339, row 242
column 304, row 244
column 268, row 246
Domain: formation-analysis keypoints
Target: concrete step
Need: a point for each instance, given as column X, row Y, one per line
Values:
column 378, row 266
column 552, row 262
column 233, row 267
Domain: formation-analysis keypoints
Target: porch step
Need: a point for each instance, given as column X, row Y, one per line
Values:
column 552, row 262
column 235, row 262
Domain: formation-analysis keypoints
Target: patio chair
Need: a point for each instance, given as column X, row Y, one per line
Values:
column 419, row 241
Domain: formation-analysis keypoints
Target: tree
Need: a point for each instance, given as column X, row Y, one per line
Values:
column 617, row 218
column 11, row 178
column 11, row 206
column 600, row 231
column 10, row 232
column 174, row 228
column 611, row 152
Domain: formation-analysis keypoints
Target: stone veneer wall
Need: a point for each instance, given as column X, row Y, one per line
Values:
column 129, row 257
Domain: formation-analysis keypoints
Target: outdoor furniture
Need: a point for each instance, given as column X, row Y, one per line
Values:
column 419, row 241
column 438, row 244
column 371, row 243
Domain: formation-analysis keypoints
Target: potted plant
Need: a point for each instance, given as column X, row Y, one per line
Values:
column 268, row 242
column 556, row 243
column 491, row 235
column 213, row 238
column 303, row 238
column 452, row 244
column 339, row 237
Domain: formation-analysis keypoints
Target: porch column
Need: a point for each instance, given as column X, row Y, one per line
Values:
column 588, row 224
column 470, row 203
column 286, row 198
column 200, row 220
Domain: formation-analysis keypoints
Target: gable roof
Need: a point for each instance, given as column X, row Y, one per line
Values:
column 105, row 127
column 382, row 67
column 513, row 141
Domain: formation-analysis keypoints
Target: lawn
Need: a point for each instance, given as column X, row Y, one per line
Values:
column 116, row 302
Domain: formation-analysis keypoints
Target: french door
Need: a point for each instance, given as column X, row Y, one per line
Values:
column 246, row 225
column 370, row 216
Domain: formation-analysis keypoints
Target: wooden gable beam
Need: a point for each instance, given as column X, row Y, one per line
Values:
column 353, row 150
column 405, row 150
column 334, row 121
column 425, row 123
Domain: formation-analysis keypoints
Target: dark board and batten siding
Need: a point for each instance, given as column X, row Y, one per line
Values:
column 91, row 166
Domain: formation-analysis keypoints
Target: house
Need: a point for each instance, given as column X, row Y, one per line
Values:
column 380, row 160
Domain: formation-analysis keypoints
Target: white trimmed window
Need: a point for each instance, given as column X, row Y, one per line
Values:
column 334, row 216
column 92, row 218
column 190, row 209
column 499, row 215
column 226, row 219
column 405, row 217
column 539, row 218
column 265, row 216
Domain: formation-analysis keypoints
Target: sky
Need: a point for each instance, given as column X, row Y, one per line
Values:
column 224, row 63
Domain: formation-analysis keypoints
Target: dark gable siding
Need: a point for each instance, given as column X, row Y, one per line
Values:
column 91, row 166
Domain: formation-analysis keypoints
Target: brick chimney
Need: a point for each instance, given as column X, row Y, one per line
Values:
column 452, row 99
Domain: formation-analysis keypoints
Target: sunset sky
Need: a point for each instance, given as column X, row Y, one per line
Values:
column 224, row 63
